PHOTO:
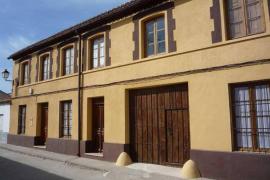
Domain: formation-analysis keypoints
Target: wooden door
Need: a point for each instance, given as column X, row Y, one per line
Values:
column 98, row 124
column 159, row 125
column 44, row 123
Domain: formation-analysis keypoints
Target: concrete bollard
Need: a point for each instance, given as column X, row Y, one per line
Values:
column 123, row 160
column 190, row 170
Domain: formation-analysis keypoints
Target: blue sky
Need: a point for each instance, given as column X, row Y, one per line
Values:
column 23, row 22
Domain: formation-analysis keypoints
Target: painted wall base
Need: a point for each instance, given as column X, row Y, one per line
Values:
column 21, row 140
column 232, row 165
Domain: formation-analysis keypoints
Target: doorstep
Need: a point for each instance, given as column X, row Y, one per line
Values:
column 157, row 169
column 94, row 154
column 40, row 147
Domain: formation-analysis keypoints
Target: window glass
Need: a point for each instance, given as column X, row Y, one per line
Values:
column 69, row 61
column 251, row 104
column 155, row 36
column 245, row 17
column 25, row 73
column 98, row 52
column 46, row 68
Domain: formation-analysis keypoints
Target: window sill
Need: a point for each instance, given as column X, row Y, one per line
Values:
column 49, row 80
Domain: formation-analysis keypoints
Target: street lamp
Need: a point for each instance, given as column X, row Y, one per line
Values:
column 5, row 75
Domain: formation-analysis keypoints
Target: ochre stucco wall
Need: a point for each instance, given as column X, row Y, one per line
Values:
column 208, row 92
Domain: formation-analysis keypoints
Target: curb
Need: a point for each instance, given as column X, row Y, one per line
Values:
column 66, row 162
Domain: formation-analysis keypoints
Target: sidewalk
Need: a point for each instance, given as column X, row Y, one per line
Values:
column 101, row 169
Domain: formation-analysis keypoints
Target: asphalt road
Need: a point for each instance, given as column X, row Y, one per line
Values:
column 11, row 170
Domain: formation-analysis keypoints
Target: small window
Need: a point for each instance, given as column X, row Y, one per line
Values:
column 251, row 111
column 245, row 17
column 68, row 63
column 22, row 119
column 25, row 73
column 45, row 68
column 98, row 52
column 66, row 119
column 155, row 42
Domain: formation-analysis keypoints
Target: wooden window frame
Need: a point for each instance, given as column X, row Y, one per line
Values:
column 253, row 116
column 227, row 17
column 91, row 51
column 64, row 50
column 25, row 80
column 144, row 35
column 69, row 120
column 22, row 120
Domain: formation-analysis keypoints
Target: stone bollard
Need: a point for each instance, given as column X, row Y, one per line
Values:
column 123, row 160
column 190, row 170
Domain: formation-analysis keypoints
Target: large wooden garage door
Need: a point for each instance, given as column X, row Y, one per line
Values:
column 159, row 125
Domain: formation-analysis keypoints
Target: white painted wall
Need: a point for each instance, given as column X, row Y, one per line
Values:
column 5, row 110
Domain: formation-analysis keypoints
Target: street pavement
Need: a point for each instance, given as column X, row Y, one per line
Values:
column 20, row 163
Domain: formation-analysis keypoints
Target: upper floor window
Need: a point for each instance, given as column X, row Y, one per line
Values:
column 251, row 111
column 25, row 73
column 245, row 17
column 66, row 119
column 98, row 52
column 68, row 63
column 155, row 42
column 22, row 120
column 45, row 64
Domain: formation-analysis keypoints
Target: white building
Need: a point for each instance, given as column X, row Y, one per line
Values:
column 4, row 116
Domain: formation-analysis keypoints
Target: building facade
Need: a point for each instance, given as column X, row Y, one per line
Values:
column 165, row 81
column 4, row 116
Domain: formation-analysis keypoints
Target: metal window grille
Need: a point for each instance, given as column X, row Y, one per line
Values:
column 251, row 111
column 66, row 119
column 22, row 119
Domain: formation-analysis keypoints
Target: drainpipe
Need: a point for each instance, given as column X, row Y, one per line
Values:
column 79, row 94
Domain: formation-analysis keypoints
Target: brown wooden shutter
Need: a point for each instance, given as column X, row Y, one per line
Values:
column 216, row 16
column 269, row 7
column 108, row 46
column 84, row 54
column 254, row 16
column 58, row 62
column 37, row 69
column 29, row 69
column 236, row 18
column 19, row 74
column 76, row 55
column 51, row 64
column 136, row 51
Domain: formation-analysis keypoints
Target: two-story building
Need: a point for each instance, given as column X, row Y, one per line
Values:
column 163, row 80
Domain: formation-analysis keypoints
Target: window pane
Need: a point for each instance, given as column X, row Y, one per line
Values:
column 101, row 42
column 95, row 63
column 150, row 38
column 160, row 23
column 161, row 47
column 150, row 27
column 263, row 115
column 102, row 61
column 243, row 117
column 254, row 16
column 26, row 73
column 236, row 18
column 150, row 50
column 102, row 52
column 161, row 35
